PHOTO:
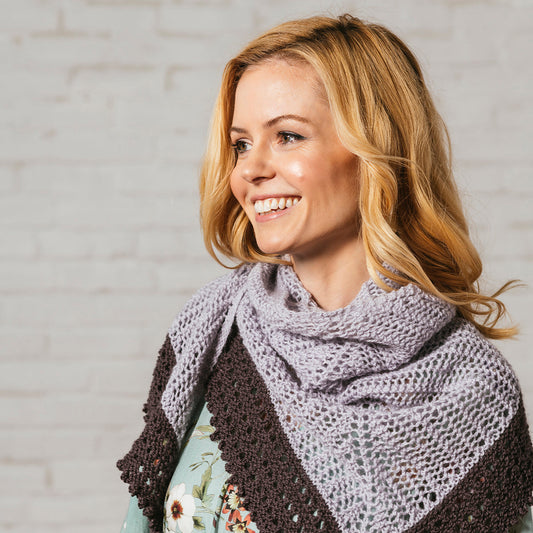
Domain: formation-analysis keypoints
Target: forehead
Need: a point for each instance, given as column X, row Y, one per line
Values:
column 279, row 83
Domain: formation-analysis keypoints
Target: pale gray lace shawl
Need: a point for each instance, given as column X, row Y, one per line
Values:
column 387, row 402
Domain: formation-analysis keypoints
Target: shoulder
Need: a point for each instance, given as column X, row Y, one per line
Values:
column 476, row 361
column 205, row 311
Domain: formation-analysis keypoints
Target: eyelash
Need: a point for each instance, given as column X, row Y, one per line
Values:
column 281, row 135
column 295, row 136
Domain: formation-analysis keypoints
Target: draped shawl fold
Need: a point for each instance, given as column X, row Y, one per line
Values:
column 390, row 414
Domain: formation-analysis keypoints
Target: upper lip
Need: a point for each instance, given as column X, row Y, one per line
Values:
column 254, row 199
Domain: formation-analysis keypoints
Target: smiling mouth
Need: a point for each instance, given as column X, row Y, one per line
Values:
column 270, row 205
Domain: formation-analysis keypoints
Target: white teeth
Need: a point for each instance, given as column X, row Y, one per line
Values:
column 273, row 204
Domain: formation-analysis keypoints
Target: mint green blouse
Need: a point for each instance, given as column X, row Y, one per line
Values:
column 201, row 498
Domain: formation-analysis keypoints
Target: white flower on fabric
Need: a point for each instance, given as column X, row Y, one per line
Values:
column 179, row 510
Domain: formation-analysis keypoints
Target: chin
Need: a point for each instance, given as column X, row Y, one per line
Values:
column 271, row 249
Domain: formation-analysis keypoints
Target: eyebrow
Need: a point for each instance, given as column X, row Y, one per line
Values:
column 273, row 122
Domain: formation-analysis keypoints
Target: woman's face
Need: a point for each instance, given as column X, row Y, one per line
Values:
column 294, row 179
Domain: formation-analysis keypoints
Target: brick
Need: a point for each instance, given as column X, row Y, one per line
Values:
column 96, row 343
column 74, row 145
column 432, row 19
column 123, row 212
column 501, row 144
column 66, row 474
column 512, row 208
column 24, row 211
column 68, row 411
column 16, row 276
column 157, row 179
column 119, row 78
column 149, row 113
column 472, row 99
column 55, row 116
column 20, row 89
column 192, row 50
column 18, row 244
column 126, row 377
column 11, row 509
column 519, row 18
column 7, row 178
column 44, row 376
column 28, row 16
column 67, row 244
column 33, row 476
column 494, row 177
column 172, row 244
column 159, row 245
column 500, row 270
column 76, row 275
column 198, row 273
column 101, row 309
column 172, row 147
column 443, row 51
column 204, row 20
column 117, row 443
column 193, row 84
column 513, row 241
column 21, row 341
column 65, row 512
column 478, row 32
column 276, row 12
column 114, row 19
column 152, row 338
column 55, row 51
column 516, row 115
column 81, row 527
column 63, row 179
column 31, row 445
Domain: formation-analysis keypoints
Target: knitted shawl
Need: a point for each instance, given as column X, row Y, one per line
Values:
column 390, row 414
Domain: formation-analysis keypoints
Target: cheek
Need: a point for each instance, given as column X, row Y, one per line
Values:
column 297, row 171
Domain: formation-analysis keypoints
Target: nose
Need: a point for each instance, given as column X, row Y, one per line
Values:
column 257, row 165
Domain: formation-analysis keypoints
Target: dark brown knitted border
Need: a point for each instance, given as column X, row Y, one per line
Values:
column 493, row 497
column 149, row 465
column 276, row 490
column 495, row 494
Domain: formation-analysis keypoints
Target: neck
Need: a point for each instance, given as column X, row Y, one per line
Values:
column 333, row 280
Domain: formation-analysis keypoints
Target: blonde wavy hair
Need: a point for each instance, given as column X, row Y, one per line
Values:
column 411, row 216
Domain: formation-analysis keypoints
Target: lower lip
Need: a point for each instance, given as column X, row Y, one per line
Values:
column 273, row 215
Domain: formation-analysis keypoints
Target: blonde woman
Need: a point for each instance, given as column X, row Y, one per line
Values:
column 341, row 378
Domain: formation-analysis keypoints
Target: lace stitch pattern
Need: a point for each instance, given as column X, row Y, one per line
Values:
column 388, row 404
column 480, row 503
column 275, row 488
column 149, row 465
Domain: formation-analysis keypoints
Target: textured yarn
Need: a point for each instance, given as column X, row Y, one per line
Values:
column 392, row 406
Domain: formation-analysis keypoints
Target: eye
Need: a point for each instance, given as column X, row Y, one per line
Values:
column 240, row 146
column 289, row 137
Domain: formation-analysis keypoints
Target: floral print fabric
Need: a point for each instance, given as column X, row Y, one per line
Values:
column 200, row 497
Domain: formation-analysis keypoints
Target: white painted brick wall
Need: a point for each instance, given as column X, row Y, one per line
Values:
column 104, row 109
